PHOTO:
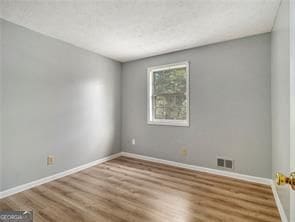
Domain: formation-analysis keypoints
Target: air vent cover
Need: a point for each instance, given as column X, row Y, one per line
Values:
column 225, row 163
column 229, row 164
column 220, row 162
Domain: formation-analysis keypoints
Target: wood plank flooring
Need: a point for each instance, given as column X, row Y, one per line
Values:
column 126, row 189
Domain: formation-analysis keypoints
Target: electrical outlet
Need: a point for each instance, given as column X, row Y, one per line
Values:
column 133, row 141
column 50, row 160
column 183, row 151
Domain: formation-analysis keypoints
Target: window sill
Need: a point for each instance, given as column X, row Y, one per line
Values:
column 169, row 123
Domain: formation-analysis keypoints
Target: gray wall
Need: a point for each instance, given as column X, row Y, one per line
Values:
column 230, row 107
column 1, row 154
column 280, row 99
column 57, row 99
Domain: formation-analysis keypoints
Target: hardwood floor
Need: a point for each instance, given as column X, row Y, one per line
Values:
column 126, row 189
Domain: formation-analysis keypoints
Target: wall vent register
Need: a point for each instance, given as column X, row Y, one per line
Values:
column 225, row 163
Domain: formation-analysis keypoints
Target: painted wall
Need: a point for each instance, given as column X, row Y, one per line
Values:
column 229, row 105
column 1, row 155
column 280, row 98
column 57, row 100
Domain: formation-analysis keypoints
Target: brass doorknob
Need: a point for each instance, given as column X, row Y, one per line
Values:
column 281, row 179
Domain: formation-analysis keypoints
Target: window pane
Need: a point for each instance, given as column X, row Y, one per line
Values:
column 170, row 81
column 170, row 106
column 170, row 113
column 180, row 100
column 170, row 100
column 160, row 113
column 161, row 101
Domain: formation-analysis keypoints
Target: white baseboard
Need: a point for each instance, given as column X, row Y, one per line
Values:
column 260, row 180
column 35, row 183
column 279, row 203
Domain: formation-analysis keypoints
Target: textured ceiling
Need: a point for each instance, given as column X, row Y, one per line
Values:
column 131, row 29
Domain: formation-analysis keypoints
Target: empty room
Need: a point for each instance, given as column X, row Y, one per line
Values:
column 147, row 110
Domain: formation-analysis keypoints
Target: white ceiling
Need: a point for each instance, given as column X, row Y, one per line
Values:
column 126, row 30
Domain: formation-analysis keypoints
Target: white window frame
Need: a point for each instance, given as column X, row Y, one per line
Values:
column 150, row 118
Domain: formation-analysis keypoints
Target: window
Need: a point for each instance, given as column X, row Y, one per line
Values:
column 168, row 94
